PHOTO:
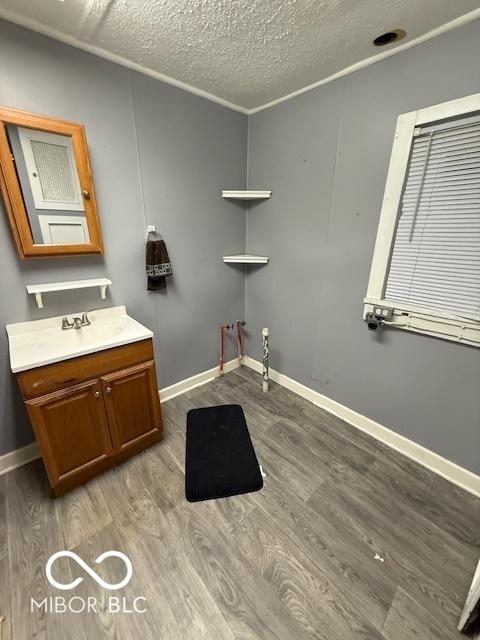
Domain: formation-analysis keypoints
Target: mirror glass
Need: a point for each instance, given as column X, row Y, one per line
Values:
column 50, row 186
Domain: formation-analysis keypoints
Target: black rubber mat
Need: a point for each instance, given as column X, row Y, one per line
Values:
column 220, row 458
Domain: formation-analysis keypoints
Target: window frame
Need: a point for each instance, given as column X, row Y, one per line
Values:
column 405, row 315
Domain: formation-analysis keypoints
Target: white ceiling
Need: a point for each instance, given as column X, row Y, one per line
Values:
column 244, row 52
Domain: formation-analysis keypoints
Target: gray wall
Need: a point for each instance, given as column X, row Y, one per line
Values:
column 188, row 150
column 325, row 154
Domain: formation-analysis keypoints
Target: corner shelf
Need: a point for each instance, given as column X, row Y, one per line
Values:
column 246, row 194
column 38, row 289
column 246, row 259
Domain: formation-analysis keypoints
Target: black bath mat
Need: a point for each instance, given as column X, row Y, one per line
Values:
column 220, row 458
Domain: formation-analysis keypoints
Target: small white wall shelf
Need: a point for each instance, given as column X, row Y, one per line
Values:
column 246, row 195
column 246, row 259
column 38, row 289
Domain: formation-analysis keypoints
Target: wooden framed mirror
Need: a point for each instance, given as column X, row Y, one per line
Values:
column 47, row 186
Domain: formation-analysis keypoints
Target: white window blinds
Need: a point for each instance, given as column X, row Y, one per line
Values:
column 435, row 261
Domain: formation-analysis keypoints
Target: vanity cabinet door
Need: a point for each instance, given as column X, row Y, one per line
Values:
column 133, row 408
column 72, row 431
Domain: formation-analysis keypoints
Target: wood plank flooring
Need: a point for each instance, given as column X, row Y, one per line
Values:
column 296, row 560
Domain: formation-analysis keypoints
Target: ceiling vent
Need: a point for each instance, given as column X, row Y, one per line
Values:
column 389, row 37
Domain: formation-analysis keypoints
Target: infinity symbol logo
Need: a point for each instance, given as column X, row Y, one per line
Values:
column 91, row 572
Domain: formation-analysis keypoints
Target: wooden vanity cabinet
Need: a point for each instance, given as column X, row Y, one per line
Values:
column 72, row 432
column 132, row 415
column 90, row 413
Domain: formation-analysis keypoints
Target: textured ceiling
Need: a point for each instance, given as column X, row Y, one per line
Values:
column 246, row 52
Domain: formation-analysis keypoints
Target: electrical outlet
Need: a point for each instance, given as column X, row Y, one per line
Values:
column 383, row 312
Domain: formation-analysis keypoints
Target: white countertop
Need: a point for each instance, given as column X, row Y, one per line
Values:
column 40, row 342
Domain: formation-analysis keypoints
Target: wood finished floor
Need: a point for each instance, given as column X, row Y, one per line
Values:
column 294, row 560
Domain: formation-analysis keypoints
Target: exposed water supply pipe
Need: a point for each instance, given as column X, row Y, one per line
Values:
column 226, row 326
column 240, row 349
column 223, row 327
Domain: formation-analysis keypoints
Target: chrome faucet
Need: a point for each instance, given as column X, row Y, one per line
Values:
column 77, row 323
column 66, row 324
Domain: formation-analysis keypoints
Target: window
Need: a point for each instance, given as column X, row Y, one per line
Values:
column 426, row 263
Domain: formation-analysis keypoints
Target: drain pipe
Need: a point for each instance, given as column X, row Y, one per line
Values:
column 265, row 334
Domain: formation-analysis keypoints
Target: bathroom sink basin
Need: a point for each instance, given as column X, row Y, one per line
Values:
column 85, row 335
column 40, row 342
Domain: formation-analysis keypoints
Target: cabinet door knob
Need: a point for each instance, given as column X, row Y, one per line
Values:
column 86, row 194
column 108, row 389
column 97, row 394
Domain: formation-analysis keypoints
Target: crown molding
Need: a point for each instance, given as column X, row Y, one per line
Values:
column 367, row 62
column 44, row 30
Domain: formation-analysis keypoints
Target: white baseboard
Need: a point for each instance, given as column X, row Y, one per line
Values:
column 195, row 381
column 429, row 459
column 19, row 457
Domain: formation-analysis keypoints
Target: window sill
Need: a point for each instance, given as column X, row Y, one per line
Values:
column 428, row 322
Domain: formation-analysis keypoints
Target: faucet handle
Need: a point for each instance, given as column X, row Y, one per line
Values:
column 66, row 324
column 85, row 319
